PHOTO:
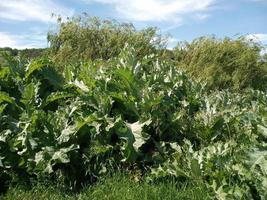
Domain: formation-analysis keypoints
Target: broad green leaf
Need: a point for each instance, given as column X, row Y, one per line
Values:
column 62, row 155
column 30, row 94
column 4, row 72
column 57, row 96
column 2, row 108
column 90, row 121
column 258, row 158
column 4, row 97
column 36, row 65
column 195, row 168
column 66, row 134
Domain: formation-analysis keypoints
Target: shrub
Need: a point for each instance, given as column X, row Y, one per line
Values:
column 89, row 38
column 227, row 63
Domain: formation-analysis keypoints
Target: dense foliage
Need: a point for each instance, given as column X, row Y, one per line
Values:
column 141, row 115
column 86, row 38
column 222, row 63
column 228, row 63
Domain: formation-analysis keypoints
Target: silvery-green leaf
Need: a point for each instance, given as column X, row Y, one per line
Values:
column 136, row 129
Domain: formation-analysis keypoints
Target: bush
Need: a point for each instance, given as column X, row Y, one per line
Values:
column 89, row 38
column 227, row 63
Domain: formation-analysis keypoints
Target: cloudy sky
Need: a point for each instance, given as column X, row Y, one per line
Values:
column 24, row 23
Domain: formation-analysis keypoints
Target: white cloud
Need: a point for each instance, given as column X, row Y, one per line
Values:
column 22, row 41
column 31, row 10
column 259, row 37
column 158, row 10
column 6, row 40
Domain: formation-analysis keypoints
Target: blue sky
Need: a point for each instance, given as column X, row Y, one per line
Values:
column 25, row 23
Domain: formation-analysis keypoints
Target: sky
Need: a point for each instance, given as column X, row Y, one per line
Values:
column 25, row 23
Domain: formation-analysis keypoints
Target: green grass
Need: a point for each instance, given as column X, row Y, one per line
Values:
column 116, row 187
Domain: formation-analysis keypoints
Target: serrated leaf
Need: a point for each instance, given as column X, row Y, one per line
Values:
column 136, row 129
column 258, row 158
column 57, row 96
column 30, row 94
column 4, row 97
column 2, row 108
column 66, row 134
column 80, row 85
column 35, row 65
column 4, row 135
column 61, row 157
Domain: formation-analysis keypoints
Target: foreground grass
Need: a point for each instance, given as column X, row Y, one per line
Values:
column 119, row 187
